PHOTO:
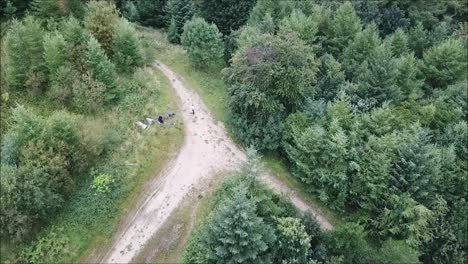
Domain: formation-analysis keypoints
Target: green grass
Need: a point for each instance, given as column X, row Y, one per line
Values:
column 89, row 220
column 214, row 92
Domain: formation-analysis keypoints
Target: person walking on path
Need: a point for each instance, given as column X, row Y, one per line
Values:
column 193, row 109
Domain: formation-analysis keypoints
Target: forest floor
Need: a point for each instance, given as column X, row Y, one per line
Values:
column 207, row 151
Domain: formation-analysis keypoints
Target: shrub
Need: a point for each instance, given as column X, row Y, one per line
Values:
column 61, row 88
column 89, row 95
column 203, row 43
column 294, row 242
column 48, row 249
column 102, row 183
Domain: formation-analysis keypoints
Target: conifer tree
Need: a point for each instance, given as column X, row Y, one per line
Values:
column 25, row 64
column 377, row 78
column 225, row 14
column 408, row 78
column 54, row 52
column 346, row 24
column 127, row 48
column 399, row 43
column 237, row 234
column 305, row 26
column 179, row 11
column 100, row 66
column 293, row 241
column 445, row 63
column 360, row 49
column 330, row 79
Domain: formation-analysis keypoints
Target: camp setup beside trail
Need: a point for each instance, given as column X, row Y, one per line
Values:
column 157, row 120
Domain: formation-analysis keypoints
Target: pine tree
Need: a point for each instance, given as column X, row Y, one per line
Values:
column 202, row 42
column 303, row 25
column 293, row 241
column 346, row 24
column 100, row 66
column 152, row 12
column 331, row 78
column 127, row 48
column 25, row 64
column 408, row 78
column 225, row 14
column 172, row 33
column 418, row 40
column 399, row 43
column 54, row 52
column 180, row 11
column 445, row 63
column 360, row 49
column 377, row 78
column 9, row 10
column 237, row 234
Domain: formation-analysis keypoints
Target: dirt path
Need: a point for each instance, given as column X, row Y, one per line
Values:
column 207, row 150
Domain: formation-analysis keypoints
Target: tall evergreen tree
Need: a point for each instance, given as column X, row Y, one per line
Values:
column 445, row 63
column 236, row 234
column 54, row 52
column 399, row 43
column 330, row 79
column 305, row 26
column 179, row 11
column 360, row 49
column 346, row 24
column 225, row 14
column 100, row 66
column 152, row 12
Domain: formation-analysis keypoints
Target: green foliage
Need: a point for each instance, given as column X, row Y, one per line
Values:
column 46, row 249
column 293, row 241
column 9, row 10
column 130, row 11
column 179, row 12
column 330, row 79
column 102, row 69
column 62, row 83
column 408, row 78
column 226, row 15
column 395, row 251
column 54, row 52
column 202, row 42
column 46, row 154
column 236, row 234
column 268, row 79
column 25, row 63
column 101, row 183
column 303, row 25
column 399, row 43
column 346, row 24
column 151, row 12
column 360, row 49
column 127, row 48
column 172, row 33
column 89, row 95
column 56, row 8
column 445, row 63
column 349, row 241
column 101, row 19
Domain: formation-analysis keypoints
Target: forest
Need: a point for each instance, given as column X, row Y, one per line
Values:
column 364, row 102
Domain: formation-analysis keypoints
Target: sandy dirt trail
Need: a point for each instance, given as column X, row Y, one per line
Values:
column 207, row 150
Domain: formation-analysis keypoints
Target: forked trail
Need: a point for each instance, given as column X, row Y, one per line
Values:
column 207, row 150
